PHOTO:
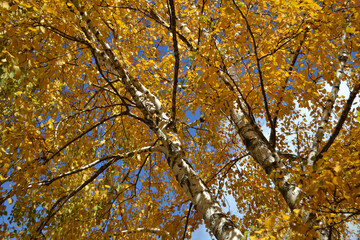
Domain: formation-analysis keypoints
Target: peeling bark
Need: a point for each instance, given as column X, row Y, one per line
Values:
column 215, row 218
column 327, row 110
column 261, row 150
column 267, row 158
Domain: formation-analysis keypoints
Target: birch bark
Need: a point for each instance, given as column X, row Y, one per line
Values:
column 215, row 218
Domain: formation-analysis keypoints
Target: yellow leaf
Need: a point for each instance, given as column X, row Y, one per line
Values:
column 240, row 4
column 4, row 4
column 229, row 10
column 32, row 29
column 51, row 124
column 6, row 167
column 337, row 168
column 60, row 62
column 285, row 216
column 268, row 222
column 296, row 211
column 69, row 4
column 17, row 70
column 350, row 29
column 260, row 231
column 50, row 10
column 10, row 201
column 42, row 29
column 96, row 194
column 107, row 186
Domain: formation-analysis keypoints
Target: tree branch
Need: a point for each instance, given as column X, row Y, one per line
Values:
column 187, row 220
column 87, row 166
column 197, row 122
column 261, row 150
column 341, row 121
column 164, row 234
column 258, row 63
column 62, row 200
column 82, row 134
column 328, row 107
column 177, row 59
column 292, row 65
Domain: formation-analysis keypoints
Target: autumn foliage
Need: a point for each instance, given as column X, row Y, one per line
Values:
column 126, row 119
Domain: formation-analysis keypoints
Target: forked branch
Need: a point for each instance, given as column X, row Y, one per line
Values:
column 328, row 107
column 341, row 121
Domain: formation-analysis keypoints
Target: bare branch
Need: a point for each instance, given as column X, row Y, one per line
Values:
column 153, row 15
column 142, row 165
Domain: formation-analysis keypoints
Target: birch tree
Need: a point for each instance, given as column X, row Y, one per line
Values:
column 138, row 119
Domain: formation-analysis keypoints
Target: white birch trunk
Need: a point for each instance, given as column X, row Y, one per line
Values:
column 267, row 158
column 157, row 120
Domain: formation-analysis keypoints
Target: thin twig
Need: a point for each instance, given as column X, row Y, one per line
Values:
column 258, row 63
column 187, row 220
column 292, row 65
column 82, row 134
column 87, row 166
column 62, row 200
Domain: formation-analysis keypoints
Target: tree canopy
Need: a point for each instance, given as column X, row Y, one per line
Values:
column 137, row 119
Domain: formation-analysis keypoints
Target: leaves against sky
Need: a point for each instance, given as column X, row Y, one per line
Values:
column 80, row 160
